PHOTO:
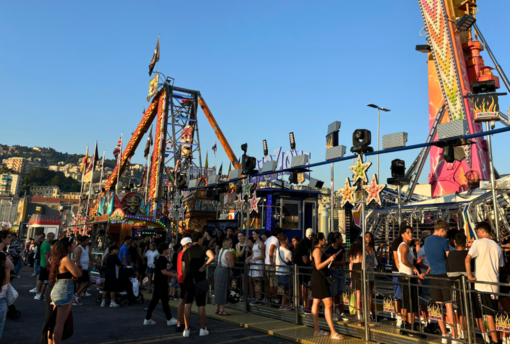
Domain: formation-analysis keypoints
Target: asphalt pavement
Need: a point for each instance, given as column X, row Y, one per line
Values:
column 93, row 324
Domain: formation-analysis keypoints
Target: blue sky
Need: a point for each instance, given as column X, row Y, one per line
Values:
column 75, row 72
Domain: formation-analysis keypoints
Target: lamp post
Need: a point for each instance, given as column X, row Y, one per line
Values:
column 378, row 127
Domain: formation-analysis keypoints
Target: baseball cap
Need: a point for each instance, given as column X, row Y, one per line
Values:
column 309, row 233
column 185, row 241
column 424, row 234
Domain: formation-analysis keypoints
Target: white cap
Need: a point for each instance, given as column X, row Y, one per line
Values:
column 309, row 233
column 185, row 241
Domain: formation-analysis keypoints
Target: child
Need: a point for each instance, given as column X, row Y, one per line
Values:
column 151, row 255
column 111, row 277
column 455, row 268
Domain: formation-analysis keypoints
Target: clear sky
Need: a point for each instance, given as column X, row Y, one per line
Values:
column 75, row 72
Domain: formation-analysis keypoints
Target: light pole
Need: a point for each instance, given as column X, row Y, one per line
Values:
column 378, row 127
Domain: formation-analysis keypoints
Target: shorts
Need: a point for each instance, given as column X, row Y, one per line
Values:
column 62, row 293
column 410, row 294
column 339, row 286
column 356, row 277
column 111, row 284
column 84, row 278
column 484, row 304
column 425, row 292
column 37, row 267
column 189, row 294
column 271, row 276
column 149, row 271
column 397, row 289
column 44, row 276
column 285, row 280
column 442, row 291
column 255, row 270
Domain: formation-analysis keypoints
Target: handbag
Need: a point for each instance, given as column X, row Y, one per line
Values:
column 11, row 294
column 330, row 279
column 352, row 304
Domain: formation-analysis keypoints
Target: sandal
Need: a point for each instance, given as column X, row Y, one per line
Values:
column 216, row 312
column 224, row 314
column 321, row 334
column 336, row 336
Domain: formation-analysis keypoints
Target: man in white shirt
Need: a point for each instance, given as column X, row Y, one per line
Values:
column 284, row 258
column 272, row 243
column 489, row 259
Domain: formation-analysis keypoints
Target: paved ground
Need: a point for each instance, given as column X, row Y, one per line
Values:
column 93, row 324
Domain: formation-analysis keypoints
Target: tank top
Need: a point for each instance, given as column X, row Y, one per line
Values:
column 223, row 260
column 205, row 242
column 370, row 262
column 84, row 258
column 241, row 258
column 257, row 253
column 405, row 269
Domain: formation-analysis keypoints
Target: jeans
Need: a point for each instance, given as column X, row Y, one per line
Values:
column 37, row 268
column 3, row 314
column 17, row 266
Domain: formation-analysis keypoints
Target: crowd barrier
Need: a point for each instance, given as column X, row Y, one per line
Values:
column 292, row 284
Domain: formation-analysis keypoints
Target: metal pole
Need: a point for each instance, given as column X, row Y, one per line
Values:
column 246, row 250
column 468, row 321
column 493, row 58
column 364, row 269
column 296, row 294
column 399, row 188
column 332, row 199
column 493, row 184
column 378, row 127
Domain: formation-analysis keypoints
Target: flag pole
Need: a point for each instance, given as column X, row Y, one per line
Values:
column 102, row 171
column 119, row 159
column 82, row 175
column 147, row 177
column 91, row 177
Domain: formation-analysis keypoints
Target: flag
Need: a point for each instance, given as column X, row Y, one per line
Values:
column 214, row 148
column 148, row 145
column 117, row 148
column 143, row 176
column 229, row 168
column 220, row 170
column 93, row 159
column 206, row 160
column 155, row 58
column 85, row 159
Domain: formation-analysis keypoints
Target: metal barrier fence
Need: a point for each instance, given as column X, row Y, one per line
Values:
column 254, row 288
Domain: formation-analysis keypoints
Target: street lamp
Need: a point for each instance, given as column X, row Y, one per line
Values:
column 378, row 127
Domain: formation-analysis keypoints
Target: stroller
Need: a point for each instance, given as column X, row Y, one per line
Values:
column 129, row 290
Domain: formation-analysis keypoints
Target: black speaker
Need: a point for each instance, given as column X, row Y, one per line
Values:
column 361, row 137
column 293, row 178
column 248, row 164
column 181, row 181
column 209, row 193
column 315, row 183
column 398, row 168
column 449, row 154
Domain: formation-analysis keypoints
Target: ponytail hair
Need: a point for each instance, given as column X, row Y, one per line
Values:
column 356, row 248
column 316, row 238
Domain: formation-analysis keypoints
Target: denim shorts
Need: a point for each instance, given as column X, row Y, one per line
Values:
column 285, row 280
column 149, row 270
column 62, row 293
column 339, row 286
column 397, row 289
column 37, row 268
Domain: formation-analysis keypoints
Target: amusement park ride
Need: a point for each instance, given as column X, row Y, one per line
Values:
column 456, row 74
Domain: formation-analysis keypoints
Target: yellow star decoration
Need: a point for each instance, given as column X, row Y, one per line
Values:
column 360, row 170
column 347, row 193
column 373, row 190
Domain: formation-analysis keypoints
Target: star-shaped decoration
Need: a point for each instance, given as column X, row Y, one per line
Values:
column 247, row 187
column 374, row 191
column 178, row 198
column 360, row 170
column 239, row 203
column 347, row 193
column 254, row 201
column 182, row 212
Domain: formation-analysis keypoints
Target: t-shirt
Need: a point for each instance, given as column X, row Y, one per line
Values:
column 394, row 248
column 269, row 242
column 160, row 280
column 141, row 246
column 489, row 258
column 330, row 250
column 151, row 255
column 194, row 259
column 45, row 249
column 178, row 262
column 124, row 251
column 174, row 261
column 111, row 262
column 435, row 249
column 456, row 263
column 283, row 257
column 421, row 254
column 133, row 252
column 301, row 250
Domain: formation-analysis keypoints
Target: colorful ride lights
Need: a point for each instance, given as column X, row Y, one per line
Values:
column 361, row 140
column 465, row 23
column 248, row 162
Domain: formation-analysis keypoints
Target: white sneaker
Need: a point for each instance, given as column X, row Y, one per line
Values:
column 186, row 333
column 113, row 304
column 33, row 290
column 37, row 297
column 87, row 294
column 32, row 275
column 103, row 304
column 149, row 322
column 343, row 317
column 171, row 322
column 445, row 339
column 203, row 332
column 399, row 321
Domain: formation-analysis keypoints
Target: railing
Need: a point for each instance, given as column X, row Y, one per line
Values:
column 257, row 285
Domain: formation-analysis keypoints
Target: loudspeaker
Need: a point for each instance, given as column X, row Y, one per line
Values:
column 398, row 168
column 293, row 178
column 269, row 166
column 361, row 137
column 213, row 179
column 335, row 126
column 299, row 160
column 193, row 183
column 335, row 152
column 449, row 153
column 452, row 129
column 394, row 140
column 235, row 174
column 315, row 183
column 248, row 164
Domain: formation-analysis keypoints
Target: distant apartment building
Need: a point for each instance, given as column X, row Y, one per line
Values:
column 54, row 168
column 45, row 191
column 70, row 195
column 10, row 184
column 20, row 165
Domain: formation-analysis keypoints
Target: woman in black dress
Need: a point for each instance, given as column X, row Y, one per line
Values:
column 320, row 286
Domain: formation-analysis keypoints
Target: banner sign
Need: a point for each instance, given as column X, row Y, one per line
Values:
column 283, row 162
column 486, row 107
column 388, row 305
column 502, row 322
column 435, row 312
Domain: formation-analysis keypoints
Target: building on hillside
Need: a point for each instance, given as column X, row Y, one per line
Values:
column 54, row 168
column 20, row 165
column 70, row 195
column 10, row 184
column 45, row 191
column 37, row 149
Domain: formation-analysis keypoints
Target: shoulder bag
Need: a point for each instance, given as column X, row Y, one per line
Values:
column 11, row 294
column 330, row 279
